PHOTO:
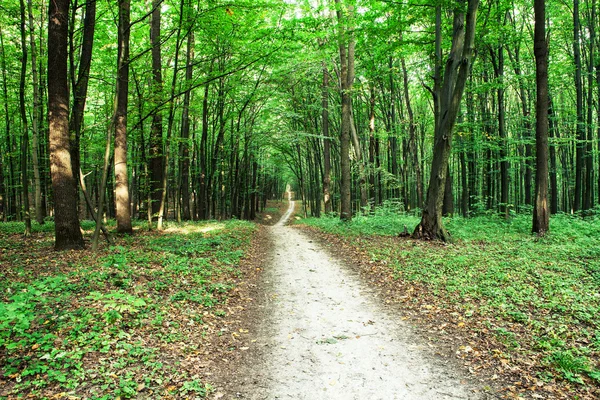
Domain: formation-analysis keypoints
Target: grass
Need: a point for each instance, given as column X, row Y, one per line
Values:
column 538, row 297
column 128, row 321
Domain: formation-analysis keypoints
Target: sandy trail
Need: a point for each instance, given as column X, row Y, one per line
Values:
column 325, row 336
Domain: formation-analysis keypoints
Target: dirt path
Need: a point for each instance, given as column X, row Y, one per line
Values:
column 324, row 335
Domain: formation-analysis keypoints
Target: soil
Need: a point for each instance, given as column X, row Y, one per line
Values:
column 316, row 330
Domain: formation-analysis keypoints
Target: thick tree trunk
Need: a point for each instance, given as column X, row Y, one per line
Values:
column 67, row 231
column 123, row 203
column 541, row 214
column 457, row 69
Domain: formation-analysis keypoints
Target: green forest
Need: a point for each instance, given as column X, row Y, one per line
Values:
column 448, row 149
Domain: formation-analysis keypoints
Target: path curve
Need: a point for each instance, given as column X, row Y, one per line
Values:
column 325, row 336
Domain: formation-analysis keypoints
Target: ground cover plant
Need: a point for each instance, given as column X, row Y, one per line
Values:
column 135, row 319
column 525, row 307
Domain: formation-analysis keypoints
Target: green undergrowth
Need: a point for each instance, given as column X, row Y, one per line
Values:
column 124, row 322
column 539, row 297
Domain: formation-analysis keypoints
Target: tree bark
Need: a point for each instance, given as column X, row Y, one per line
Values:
column 580, row 143
column 184, row 147
column 156, row 158
column 10, row 207
column 123, row 202
column 25, row 125
column 80, row 85
column 457, row 69
column 346, row 48
column 541, row 214
column 67, row 231
column 412, row 136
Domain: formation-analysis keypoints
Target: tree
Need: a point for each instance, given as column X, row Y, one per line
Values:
column 457, row 69
column 346, row 47
column 541, row 212
column 67, row 231
column 123, row 203
column 25, row 135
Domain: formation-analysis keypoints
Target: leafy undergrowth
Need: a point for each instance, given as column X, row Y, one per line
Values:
column 134, row 320
column 514, row 307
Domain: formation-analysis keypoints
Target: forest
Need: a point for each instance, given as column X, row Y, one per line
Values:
column 205, row 110
column 420, row 137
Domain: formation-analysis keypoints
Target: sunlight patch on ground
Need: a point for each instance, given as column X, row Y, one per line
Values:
column 195, row 228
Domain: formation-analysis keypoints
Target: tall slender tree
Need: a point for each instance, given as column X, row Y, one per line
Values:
column 346, row 47
column 123, row 203
column 541, row 212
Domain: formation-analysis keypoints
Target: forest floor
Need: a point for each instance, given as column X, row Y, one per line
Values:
column 319, row 310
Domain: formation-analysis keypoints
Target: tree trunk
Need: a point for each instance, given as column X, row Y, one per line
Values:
column 80, row 86
column 156, row 140
column 10, row 207
column 553, row 132
column 123, row 203
column 67, row 232
column 184, row 147
column 580, row 143
column 456, row 72
column 37, row 122
column 589, row 155
column 498, row 64
column 25, row 125
column 412, row 136
column 326, row 143
column 541, row 215
column 346, row 47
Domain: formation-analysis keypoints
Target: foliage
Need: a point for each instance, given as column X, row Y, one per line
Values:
column 99, row 326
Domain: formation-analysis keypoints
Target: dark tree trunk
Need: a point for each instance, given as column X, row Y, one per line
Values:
column 67, row 232
column 123, row 203
column 80, row 86
column 541, row 214
column 448, row 205
column 457, row 69
column 25, row 124
column 156, row 158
